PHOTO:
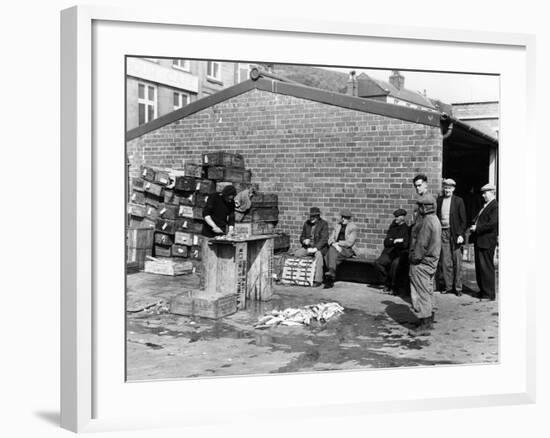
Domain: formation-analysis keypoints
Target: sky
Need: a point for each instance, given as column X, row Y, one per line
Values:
column 448, row 87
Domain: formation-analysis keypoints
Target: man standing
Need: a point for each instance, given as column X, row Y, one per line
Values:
column 314, row 240
column 395, row 243
column 423, row 257
column 484, row 235
column 341, row 244
column 452, row 215
column 219, row 213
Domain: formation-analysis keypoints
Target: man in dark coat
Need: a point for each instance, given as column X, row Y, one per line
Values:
column 424, row 252
column 395, row 243
column 314, row 240
column 452, row 215
column 219, row 212
column 484, row 236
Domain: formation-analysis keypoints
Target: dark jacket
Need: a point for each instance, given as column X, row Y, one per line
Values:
column 221, row 212
column 485, row 235
column 425, row 241
column 396, row 231
column 457, row 218
column 320, row 236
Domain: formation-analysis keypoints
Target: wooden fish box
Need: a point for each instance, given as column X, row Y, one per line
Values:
column 298, row 271
column 137, row 197
column 148, row 223
column 237, row 175
column 151, row 212
column 139, row 255
column 195, row 252
column 192, row 169
column 201, row 199
column 281, row 242
column 185, row 184
column 167, row 226
column 180, row 251
column 167, row 211
column 140, row 238
column 265, row 200
column 187, row 238
column 153, row 200
column 164, row 239
column 168, row 267
column 190, row 212
column 199, row 303
column 137, row 210
column 147, row 173
column 154, row 189
column 205, row 186
column 162, row 177
column 163, row 251
column 189, row 199
column 137, row 184
column 171, row 198
column 268, row 214
column 254, row 228
column 223, row 159
column 136, row 222
column 215, row 172
column 189, row 225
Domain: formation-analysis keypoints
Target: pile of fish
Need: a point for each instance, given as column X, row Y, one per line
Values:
column 321, row 312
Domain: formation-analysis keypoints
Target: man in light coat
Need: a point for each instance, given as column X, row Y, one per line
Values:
column 341, row 244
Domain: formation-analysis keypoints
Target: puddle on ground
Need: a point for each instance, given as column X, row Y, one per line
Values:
column 354, row 336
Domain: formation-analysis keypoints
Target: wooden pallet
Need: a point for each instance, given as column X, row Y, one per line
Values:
column 298, row 271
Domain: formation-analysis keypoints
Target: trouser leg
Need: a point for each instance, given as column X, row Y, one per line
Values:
column 318, row 267
column 478, row 267
column 446, row 259
column 382, row 265
column 457, row 262
column 422, row 295
column 330, row 260
column 487, row 271
column 394, row 272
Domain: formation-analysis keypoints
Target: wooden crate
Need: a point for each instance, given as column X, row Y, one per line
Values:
column 199, row 303
column 151, row 212
column 223, row 159
column 170, row 197
column 148, row 223
column 268, row 214
column 136, row 222
column 139, row 255
column 201, row 200
column 168, row 211
column 189, row 199
column 215, row 173
column 147, row 173
column 180, row 251
column 153, row 200
column 168, row 266
column 205, row 186
column 254, row 228
column 140, row 238
column 164, row 239
column 195, row 252
column 298, row 271
column 167, row 226
column 163, row 251
column 162, row 177
column 185, row 183
column 265, row 200
column 137, row 197
column 137, row 210
column 182, row 238
column 154, row 189
column 189, row 225
column 281, row 242
column 137, row 184
column 190, row 212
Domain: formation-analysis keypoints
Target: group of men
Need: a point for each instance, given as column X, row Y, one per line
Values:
column 434, row 241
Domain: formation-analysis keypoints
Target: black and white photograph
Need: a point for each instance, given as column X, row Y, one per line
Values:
column 286, row 218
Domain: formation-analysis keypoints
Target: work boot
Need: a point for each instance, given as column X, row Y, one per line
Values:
column 422, row 329
column 430, row 321
column 329, row 282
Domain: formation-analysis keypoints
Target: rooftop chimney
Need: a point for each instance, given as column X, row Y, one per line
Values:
column 352, row 84
column 397, row 79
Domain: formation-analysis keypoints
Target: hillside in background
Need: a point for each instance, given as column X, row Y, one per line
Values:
column 313, row 77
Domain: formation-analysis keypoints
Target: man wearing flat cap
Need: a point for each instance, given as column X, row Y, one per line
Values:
column 452, row 215
column 424, row 252
column 395, row 243
column 484, row 235
column 314, row 240
column 341, row 243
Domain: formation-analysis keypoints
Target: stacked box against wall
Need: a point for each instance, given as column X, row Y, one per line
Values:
column 139, row 242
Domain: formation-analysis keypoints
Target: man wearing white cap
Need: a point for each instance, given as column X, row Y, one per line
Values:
column 484, row 235
column 452, row 215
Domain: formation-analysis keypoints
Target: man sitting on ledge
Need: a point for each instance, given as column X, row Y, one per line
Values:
column 341, row 244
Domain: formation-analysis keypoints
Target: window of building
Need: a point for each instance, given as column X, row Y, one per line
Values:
column 180, row 99
column 147, row 103
column 181, row 64
column 213, row 70
column 244, row 72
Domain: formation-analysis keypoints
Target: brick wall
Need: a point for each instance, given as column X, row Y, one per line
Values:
column 310, row 154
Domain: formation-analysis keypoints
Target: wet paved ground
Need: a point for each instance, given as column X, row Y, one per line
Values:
column 371, row 333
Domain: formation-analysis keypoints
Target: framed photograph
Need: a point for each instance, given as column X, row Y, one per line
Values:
column 232, row 198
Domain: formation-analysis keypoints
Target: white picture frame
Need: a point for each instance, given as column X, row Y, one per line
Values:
column 93, row 395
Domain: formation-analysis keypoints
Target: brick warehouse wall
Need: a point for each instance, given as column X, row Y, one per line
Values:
column 309, row 153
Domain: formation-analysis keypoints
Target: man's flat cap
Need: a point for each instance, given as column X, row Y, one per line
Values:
column 314, row 211
column 345, row 213
column 400, row 212
column 488, row 187
column 449, row 182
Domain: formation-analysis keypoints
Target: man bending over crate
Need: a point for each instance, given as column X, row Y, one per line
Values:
column 341, row 244
column 314, row 240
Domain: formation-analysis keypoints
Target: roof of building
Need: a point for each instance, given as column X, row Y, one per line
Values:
column 371, row 87
column 279, row 86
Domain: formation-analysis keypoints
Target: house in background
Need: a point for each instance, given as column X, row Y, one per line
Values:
column 158, row 86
